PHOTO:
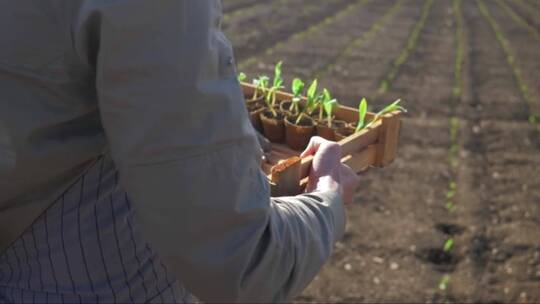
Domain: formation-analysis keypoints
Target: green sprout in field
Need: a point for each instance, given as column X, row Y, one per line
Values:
column 445, row 281
column 448, row 245
column 297, row 89
column 450, row 206
column 329, row 104
column 261, row 86
column 276, row 85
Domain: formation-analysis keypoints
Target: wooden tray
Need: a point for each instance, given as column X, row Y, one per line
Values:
column 374, row 146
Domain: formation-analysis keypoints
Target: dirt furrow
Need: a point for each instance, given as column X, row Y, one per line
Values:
column 259, row 59
column 491, row 247
column 358, row 73
column 525, row 50
column 399, row 261
column 428, row 67
column 525, row 14
column 306, row 56
column 252, row 37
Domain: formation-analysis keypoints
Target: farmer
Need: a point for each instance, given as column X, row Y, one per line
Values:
column 129, row 171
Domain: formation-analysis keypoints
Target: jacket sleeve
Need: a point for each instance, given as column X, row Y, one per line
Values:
column 174, row 117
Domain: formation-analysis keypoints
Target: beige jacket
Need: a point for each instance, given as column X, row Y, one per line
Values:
column 154, row 83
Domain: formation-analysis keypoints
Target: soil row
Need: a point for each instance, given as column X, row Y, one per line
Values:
column 531, row 16
column 403, row 261
column 305, row 55
column 522, row 54
column 493, row 244
column 255, row 60
column 363, row 68
column 263, row 31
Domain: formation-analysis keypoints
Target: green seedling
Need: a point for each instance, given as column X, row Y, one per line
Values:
column 362, row 111
column 329, row 105
column 450, row 194
column 297, row 89
column 322, row 99
column 388, row 109
column 445, row 281
column 451, row 207
column 242, row 77
column 261, row 86
column 448, row 245
column 311, row 96
column 276, row 85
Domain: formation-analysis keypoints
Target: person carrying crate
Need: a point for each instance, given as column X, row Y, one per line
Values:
column 129, row 171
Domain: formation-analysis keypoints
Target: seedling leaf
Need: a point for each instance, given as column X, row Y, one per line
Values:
column 242, row 76
column 312, row 96
column 261, row 85
column 312, row 90
column 329, row 108
column 297, row 87
column 448, row 245
column 278, row 79
column 443, row 284
column 362, row 111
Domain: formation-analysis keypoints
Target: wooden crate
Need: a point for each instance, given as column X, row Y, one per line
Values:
column 375, row 146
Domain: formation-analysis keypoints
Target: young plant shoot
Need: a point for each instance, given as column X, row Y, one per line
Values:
column 445, row 281
column 388, row 109
column 311, row 96
column 242, row 77
column 362, row 111
column 276, row 85
column 324, row 98
column 261, row 86
column 297, row 89
column 448, row 245
column 328, row 105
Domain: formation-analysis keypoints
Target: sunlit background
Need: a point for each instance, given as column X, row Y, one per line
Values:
column 457, row 216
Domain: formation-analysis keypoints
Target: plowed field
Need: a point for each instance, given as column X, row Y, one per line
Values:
column 469, row 157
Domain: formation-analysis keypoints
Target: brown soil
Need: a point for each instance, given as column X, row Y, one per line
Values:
column 392, row 250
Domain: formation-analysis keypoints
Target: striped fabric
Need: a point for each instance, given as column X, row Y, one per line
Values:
column 87, row 248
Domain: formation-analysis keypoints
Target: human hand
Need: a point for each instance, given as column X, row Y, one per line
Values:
column 327, row 172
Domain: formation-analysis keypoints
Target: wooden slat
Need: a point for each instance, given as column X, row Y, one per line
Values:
column 362, row 139
column 388, row 141
column 360, row 161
